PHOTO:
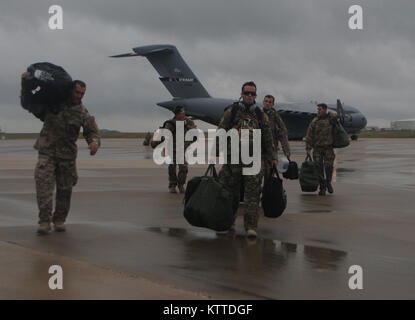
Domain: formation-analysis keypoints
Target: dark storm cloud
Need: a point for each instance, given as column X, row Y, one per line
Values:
column 297, row 50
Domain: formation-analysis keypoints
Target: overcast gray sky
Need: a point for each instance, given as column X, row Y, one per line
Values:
column 298, row 50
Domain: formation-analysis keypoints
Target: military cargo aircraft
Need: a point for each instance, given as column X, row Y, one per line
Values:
column 187, row 91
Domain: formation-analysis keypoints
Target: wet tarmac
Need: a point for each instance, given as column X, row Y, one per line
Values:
column 127, row 239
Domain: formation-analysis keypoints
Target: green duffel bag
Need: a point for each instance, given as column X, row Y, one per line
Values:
column 207, row 203
column 309, row 181
column 340, row 137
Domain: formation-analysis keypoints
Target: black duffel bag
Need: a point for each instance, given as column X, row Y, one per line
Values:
column 309, row 181
column 207, row 203
column 340, row 137
column 274, row 197
column 292, row 171
column 47, row 85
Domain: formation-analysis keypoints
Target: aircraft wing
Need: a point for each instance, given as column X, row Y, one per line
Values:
column 297, row 122
column 297, row 114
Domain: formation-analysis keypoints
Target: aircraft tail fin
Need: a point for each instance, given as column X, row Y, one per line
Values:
column 174, row 73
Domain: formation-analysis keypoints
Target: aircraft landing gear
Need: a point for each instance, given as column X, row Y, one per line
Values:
column 354, row 137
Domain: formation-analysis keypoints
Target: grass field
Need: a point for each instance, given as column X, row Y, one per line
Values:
column 388, row 134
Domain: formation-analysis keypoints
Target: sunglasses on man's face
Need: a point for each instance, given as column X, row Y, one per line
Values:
column 249, row 93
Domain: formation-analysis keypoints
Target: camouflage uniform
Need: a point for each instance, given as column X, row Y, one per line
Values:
column 57, row 157
column 174, row 177
column 231, row 176
column 147, row 139
column 279, row 133
column 320, row 138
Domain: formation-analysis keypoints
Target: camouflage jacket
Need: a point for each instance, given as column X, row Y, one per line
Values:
column 320, row 132
column 279, row 131
column 171, row 125
column 61, row 131
column 243, row 116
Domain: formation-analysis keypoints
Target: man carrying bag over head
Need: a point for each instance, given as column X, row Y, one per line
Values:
column 57, row 149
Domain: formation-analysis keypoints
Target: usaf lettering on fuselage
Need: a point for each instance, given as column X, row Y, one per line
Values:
column 171, row 79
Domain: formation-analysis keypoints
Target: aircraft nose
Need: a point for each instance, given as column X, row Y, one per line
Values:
column 364, row 121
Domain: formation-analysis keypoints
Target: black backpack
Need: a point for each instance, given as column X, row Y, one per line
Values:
column 274, row 197
column 207, row 203
column 235, row 108
column 172, row 123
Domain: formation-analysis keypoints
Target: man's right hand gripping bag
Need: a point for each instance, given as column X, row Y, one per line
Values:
column 308, row 176
column 207, row 203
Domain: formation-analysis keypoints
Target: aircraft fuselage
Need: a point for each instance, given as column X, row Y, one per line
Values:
column 211, row 111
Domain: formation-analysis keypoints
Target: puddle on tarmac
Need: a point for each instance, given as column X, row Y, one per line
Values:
column 204, row 249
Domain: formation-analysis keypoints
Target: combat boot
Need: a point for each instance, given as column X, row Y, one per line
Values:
column 322, row 192
column 172, row 189
column 44, row 228
column 181, row 188
column 329, row 187
column 59, row 226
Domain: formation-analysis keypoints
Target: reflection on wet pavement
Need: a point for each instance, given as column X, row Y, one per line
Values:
column 232, row 260
column 252, row 254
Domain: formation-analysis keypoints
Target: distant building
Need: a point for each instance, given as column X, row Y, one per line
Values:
column 407, row 124
column 373, row 128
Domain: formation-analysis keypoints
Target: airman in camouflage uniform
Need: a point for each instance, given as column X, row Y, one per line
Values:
column 320, row 138
column 177, row 179
column 279, row 132
column 57, row 150
column 147, row 139
column 230, row 175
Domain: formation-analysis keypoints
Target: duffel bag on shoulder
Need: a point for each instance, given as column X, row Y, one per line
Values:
column 340, row 137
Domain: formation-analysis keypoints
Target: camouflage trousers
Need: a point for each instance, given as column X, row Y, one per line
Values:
column 231, row 177
column 324, row 160
column 51, row 172
column 177, row 179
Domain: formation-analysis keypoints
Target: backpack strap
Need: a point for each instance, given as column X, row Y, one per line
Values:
column 259, row 116
column 172, row 123
column 235, row 108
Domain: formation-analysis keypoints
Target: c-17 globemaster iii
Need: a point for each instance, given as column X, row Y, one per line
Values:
column 187, row 91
